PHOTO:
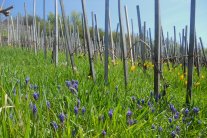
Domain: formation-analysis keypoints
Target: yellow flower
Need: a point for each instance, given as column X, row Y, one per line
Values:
column 182, row 77
column 133, row 68
column 197, row 84
column 202, row 77
column 186, row 82
column 181, row 65
column 89, row 77
column 178, row 73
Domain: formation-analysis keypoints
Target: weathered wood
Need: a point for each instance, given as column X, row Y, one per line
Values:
column 34, row 27
column 111, row 40
column 84, row 35
column 191, row 52
column 92, row 70
column 68, row 46
column 55, row 46
column 197, row 57
column 106, row 42
column 129, row 36
column 123, row 43
column 157, row 50
column 98, row 37
column 44, row 30
column 202, row 47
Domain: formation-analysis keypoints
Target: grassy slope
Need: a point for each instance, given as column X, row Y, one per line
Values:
column 17, row 64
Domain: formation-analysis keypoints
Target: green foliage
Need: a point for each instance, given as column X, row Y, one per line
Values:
column 19, row 121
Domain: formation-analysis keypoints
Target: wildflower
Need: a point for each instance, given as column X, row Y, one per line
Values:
column 36, row 96
column 202, row 77
column 195, row 110
column 101, row 118
column 177, row 129
column 142, row 101
column 181, row 65
column 170, row 120
column 110, row 113
column 133, row 68
column 186, row 111
column 173, row 134
column 103, row 132
column 27, row 80
column 14, row 91
column 76, row 110
column 54, row 125
column 68, row 84
column 62, row 117
column 133, row 98
column 35, row 87
column 160, row 129
column 83, row 110
column 181, row 77
column 197, row 84
column 176, row 116
column 129, row 113
column 48, row 104
column 131, row 122
column 172, row 108
column 149, row 103
column 153, row 126
column 186, row 82
column 34, row 109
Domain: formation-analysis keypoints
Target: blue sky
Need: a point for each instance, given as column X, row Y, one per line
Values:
column 173, row 12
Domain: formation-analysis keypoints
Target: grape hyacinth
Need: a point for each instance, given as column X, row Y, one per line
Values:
column 129, row 113
column 62, row 117
column 173, row 134
column 36, row 95
column 34, row 109
column 195, row 110
column 83, row 110
column 186, row 111
column 48, row 104
column 110, row 113
column 103, row 132
column 54, row 125
column 27, row 80
column 76, row 110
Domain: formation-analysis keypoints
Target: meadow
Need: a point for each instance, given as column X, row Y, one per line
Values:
column 38, row 99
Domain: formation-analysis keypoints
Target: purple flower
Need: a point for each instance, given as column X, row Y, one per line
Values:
column 173, row 134
column 68, row 84
column 83, row 110
column 35, row 87
column 31, row 105
column 149, row 104
column 62, row 117
column 142, row 101
column 160, row 129
column 36, row 96
column 48, row 104
column 129, row 113
column 186, row 111
column 110, row 113
column 170, row 120
column 103, row 132
column 138, row 102
column 54, row 125
column 131, row 122
column 75, row 86
column 172, row 108
column 27, row 80
column 195, row 110
column 34, row 109
column 177, row 115
column 177, row 129
column 153, row 126
column 76, row 110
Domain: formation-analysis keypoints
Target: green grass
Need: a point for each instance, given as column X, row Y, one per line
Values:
column 17, row 118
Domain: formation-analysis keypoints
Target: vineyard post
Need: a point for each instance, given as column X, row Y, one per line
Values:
column 34, row 27
column 123, row 44
column 88, row 40
column 128, row 35
column 68, row 43
column 157, row 50
column 106, row 41
column 204, row 55
column 111, row 40
column 191, row 52
column 44, row 31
